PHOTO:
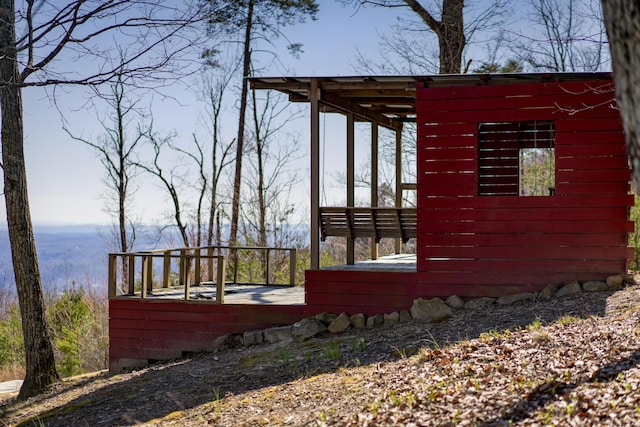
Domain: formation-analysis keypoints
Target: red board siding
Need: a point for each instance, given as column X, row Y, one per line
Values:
column 157, row 330
column 508, row 242
column 368, row 292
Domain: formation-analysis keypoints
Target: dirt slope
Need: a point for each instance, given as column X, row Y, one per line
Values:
column 569, row 361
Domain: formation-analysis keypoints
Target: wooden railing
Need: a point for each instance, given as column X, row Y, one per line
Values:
column 124, row 266
column 376, row 223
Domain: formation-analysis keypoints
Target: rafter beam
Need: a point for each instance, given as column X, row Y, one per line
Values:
column 362, row 113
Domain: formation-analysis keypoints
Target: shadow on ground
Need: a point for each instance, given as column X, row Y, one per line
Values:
column 160, row 391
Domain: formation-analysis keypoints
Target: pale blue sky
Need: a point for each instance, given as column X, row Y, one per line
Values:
column 65, row 177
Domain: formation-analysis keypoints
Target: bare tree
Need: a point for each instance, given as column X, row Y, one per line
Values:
column 623, row 29
column 169, row 177
column 54, row 38
column 563, row 36
column 213, row 91
column 116, row 150
column 268, row 215
column 255, row 19
column 446, row 19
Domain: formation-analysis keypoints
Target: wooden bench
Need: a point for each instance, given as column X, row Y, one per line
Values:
column 377, row 223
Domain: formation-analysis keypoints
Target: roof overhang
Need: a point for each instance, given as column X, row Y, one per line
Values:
column 391, row 100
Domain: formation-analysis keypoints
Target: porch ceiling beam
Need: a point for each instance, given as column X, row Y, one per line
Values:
column 364, row 92
column 370, row 87
column 282, row 86
column 382, row 100
column 363, row 113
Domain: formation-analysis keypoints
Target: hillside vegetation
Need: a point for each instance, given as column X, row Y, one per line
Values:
column 574, row 360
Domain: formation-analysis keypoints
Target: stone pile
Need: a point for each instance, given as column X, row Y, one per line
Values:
column 425, row 310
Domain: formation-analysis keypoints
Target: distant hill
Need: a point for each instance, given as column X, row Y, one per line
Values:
column 66, row 254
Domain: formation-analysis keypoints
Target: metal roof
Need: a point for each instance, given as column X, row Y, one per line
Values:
column 391, row 100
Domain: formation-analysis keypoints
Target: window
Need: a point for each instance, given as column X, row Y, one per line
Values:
column 516, row 158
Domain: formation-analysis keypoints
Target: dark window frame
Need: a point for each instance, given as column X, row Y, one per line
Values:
column 500, row 146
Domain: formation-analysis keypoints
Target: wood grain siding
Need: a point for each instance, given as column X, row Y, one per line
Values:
column 368, row 292
column 159, row 330
column 499, row 242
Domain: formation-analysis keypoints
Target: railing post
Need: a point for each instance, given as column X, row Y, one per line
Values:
column 235, row 265
column 112, row 275
column 184, row 272
column 143, row 286
column 292, row 266
column 166, row 269
column 183, row 268
column 267, row 252
column 150, row 273
column 197, row 267
column 132, row 274
column 210, row 263
column 220, row 280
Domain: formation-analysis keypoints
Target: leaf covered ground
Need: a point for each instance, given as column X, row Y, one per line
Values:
column 573, row 360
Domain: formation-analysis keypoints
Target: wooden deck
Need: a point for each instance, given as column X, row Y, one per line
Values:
column 233, row 294
column 396, row 262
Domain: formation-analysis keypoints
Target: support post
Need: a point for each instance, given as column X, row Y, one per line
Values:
column 374, row 181
column 398, row 242
column 350, row 181
column 314, row 101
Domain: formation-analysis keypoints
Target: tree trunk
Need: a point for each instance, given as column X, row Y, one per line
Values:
column 40, row 365
column 449, row 30
column 622, row 19
column 121, row 186
column 451, row 39
column 246, row 69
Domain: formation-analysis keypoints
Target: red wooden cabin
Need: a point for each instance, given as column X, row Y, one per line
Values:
column 475, row 231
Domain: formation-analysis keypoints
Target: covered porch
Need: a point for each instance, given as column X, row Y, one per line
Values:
column 382, row 102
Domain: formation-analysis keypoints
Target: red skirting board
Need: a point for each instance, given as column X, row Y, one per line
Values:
column 145, row 330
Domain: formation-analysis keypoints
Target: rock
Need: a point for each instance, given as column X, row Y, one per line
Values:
column 326, row 318
column 375, row 320
column 510, row 299
column 358, row 321
column 628, row 279
column 307, row 328
column 277, row 334
column 405, row 316
column 252, row 338
column 454, row 301
column 223, row 342
column 340, row 323
column 431, row 310
column 594, row 286
column 548, row 291
column 479, row 303
column 569, row 289
column 391, row 318
column 615, row 282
